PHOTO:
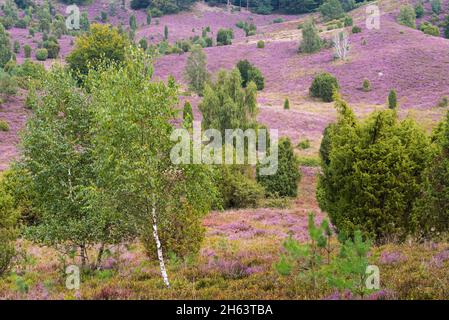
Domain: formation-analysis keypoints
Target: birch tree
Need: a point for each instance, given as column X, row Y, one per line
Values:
column 196, row 70
column 341, row 45
column 132, row 147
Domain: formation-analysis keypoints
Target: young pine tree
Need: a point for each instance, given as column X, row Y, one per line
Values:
column 311, row 41
column 392, row 100
column 195, row 72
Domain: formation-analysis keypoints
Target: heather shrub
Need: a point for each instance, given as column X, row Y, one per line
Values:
column 311, row 41
column 407, row 16
column 260, row 44
column 41, row 54
column 323, row 86
column 250, row 73
column 392, row 100
column 285, row 181
column 372, row 173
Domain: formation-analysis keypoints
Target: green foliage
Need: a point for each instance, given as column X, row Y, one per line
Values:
column 8, row 228
column 285, row 181
column 356, row 29
column 436, row 6
column 286, row 104
column 372, row 173
column 311, row 41
column 165, row 33
column 430, row 29
column 57, row 148
column 348, row 21
column 431, row 212
column 304, row 144
column 139, row 4
column 52, row 47
column 237, row 187
column 392, row 99
column 27, row 51
column 419, row 10
column 8, row 85
column 366, row 86
column 331, row 9
column 250, row 73
column 224, row 37
column 132, row 146
column 100, row 45
column 5, row 47
column 41, row 54
column 187, row 115
column 260, row 44
column 4, row 126
column 324, row 86
column 143, row 43
column 407, row 16
column 226, row 105
column 196, row 70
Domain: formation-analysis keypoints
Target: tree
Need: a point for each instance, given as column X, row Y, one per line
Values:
column 8, row 228
column 286, row 104
column 134, row 117
column 392, row 99
column 5, row 47
column 74, row 210
column 165, row 33
column 332, row 9
column 431, row 212
column 224, row 37
column 311, row 41
column 226, row 105
column 196, row 70
column 250, row 73
column 407, row 16
column 133, row 22
column 139, row 4
column 341, row 45
column 372, row 173
column 187, row 115
column 284, row 182
column 436, row 6
column 101, row 44
column 419, row 10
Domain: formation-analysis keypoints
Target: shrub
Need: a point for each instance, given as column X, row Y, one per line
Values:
column 8, row 85
column 323, row 86
column 224, row 37
column 41, row 54
column 436, row 6
column 366, row 85
column 392, row 100
column 8, row 219
column 16, row 46
column 304, row 144
column 356, row 29
column 53, row 48
column 407, row 16
column 286, row 104
column 311, row 41
column 331, row 9
column 444, row 102
column 431, row 212
column 278, row 20
column 429, row 29
column 371, row 175
column 285, row 181
column 143, row 43
column 348, row 21
column 27, row 50
column 250, row 73
column 187, row 115
column 100, row 44
column 260, row 44
column 4, row 126
column 139, row 4
column 419, row 10
column 165, row 33
column 5, row 47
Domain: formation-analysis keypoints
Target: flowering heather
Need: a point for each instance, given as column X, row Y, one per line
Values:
column 440, row 258
column 392, row 257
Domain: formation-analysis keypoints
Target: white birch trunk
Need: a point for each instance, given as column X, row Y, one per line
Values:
column 159, row 247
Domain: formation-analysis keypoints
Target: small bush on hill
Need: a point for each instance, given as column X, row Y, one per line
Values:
column 323, row 86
